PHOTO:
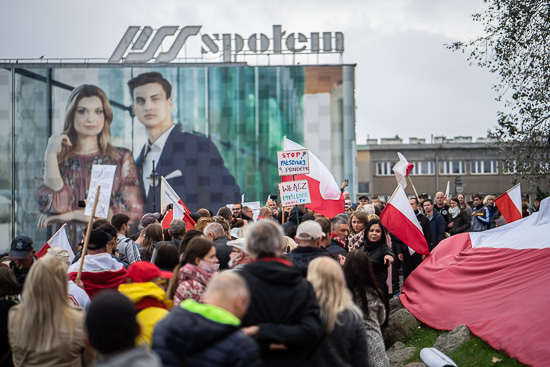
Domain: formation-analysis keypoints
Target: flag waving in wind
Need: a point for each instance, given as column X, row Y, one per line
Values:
column 402, row 170
column 59, row 239
column 179, row 209
column 509, row 204
column 399, row 218
column 326, row 197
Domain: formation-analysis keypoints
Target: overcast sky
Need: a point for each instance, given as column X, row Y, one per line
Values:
column 407, row 82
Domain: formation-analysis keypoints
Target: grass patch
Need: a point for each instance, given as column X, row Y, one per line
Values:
column 474, row 353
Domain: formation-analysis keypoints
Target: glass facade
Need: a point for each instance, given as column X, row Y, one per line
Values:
column 245, row 111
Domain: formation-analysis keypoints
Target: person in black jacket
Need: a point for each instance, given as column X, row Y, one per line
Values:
column 460, row 220
column 284, row 313
column 308, row 237
column 208, row 334
column 409, row 261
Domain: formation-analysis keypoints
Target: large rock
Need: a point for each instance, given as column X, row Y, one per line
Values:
column 449, row 342
column 402, row 325
column 395, row 305
column 398, row 353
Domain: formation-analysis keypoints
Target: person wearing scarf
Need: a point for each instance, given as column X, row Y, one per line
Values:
column 460, row 220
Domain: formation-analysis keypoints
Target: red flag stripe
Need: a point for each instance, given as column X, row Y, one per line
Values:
column 507, row 208
column 401, row 226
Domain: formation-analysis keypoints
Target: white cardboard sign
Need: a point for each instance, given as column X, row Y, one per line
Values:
column 293, row 162
column 102, row 175
column 294, row 193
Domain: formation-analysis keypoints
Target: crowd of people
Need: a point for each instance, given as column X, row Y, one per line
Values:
column 289, row 287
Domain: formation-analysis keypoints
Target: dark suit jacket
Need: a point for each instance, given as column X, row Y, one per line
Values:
column 205, row 181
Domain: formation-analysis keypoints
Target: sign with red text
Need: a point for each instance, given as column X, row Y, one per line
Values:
column 293, row 162
column 294, row 193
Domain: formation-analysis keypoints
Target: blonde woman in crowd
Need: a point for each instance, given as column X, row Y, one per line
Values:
column 345, row 340
column 44, row 330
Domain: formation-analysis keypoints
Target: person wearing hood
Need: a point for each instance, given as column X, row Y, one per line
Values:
column 380, row 254
column 284, row 314
column 208, row 334
column 144, row 287
column 112, row 329
column 308, row 236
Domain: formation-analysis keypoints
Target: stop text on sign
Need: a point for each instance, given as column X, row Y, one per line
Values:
column 293, row 162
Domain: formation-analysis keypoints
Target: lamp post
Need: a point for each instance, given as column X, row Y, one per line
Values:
column 459, row 185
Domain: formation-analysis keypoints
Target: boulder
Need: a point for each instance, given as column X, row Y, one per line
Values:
column 402, row 325
column 395, row 304
column 398, row 353
column 449, row 342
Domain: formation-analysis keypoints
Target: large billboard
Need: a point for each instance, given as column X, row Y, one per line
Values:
column 213, row 132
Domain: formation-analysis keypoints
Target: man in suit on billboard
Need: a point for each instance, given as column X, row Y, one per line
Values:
column 190, row 163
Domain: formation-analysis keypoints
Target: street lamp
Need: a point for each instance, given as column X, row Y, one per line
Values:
column 459, row 185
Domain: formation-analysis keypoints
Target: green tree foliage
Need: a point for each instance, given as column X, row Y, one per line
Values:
column 516, row 46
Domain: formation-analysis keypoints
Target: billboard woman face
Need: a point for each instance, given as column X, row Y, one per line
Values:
column 89, row 117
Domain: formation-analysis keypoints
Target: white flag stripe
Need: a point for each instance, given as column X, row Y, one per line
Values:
column 515, row 195
column 400, row 170
column 400, row 202
column 169, row 196
column 527, row 233
column 318, row 171
column 59, row 239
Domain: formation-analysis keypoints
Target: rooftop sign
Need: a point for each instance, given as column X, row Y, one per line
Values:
column 142, row 44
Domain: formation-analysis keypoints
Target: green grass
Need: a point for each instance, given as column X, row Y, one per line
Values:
column 474, row 353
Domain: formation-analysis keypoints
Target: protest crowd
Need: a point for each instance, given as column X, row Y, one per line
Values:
column 287, row 286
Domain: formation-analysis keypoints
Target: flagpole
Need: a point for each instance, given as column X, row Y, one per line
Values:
column 87, row 239
column 414, row 188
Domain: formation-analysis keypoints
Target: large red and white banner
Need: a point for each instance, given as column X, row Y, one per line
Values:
column 496, row 282
column 325, row 194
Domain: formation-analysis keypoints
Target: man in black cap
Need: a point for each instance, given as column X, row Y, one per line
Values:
column 22, row 258
column 100, row 270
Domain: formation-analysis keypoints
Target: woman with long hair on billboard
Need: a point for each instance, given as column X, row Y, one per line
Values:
column 68, row 160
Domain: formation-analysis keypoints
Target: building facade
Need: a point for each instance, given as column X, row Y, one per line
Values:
column 469, row 166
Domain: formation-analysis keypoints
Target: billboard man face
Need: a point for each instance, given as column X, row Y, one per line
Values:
column 152, row 108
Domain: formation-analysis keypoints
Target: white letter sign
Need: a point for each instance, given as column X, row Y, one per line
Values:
column 294, row 193
column 293, row 162
column 102, row 175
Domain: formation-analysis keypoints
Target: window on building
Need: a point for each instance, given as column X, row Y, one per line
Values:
column 364, row 187
column 485, row 167
column 384, row 168
column 509, row 167
column 452, row 167
column 423, row 168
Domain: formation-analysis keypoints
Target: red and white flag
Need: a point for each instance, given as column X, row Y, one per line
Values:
column 59, row 239
column 100, row 272
column 402, row 170
column 496, row 282
column 509, row 204
column 326, row 197
column 179, row 209
column 399, row 218
column 448, row 190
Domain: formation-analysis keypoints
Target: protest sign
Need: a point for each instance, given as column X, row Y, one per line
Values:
column 102, row 175
column 294, row 193
column 293, row 162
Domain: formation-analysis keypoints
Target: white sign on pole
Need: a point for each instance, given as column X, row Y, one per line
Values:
column 102, row 175
column 293, row 162
column 294, row 193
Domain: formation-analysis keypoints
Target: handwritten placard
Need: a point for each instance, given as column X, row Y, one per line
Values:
column 293, row 162
column 294, row 193
column 102, row 175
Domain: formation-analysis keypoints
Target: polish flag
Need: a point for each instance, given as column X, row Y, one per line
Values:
column 402, row 170
column 100, row 272
column 448, row 190
column 509, row 204
column 326, row 197
column 496, row 282
column 399, row 218
column 59, row 239
column 179, row 211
